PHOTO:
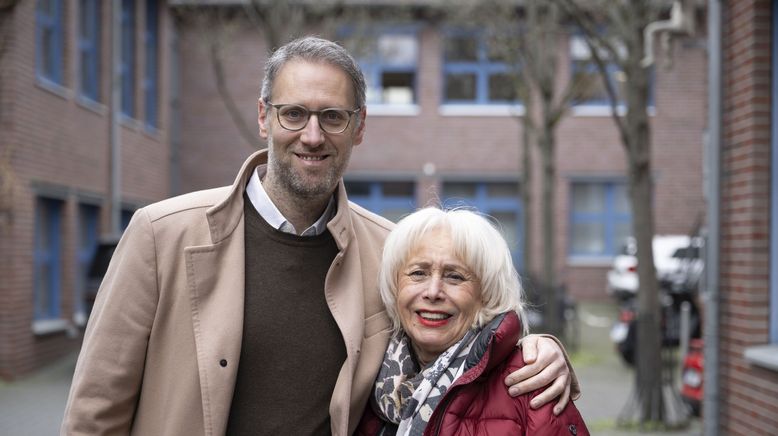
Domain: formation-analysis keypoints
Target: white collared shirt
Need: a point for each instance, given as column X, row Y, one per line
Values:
column 270, row 213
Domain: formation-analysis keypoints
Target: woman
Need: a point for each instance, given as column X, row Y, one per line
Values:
column 450, row 288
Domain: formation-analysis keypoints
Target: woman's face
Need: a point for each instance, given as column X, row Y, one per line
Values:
column 438, row 296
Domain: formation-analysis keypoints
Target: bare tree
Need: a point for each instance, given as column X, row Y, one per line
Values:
column 614, row 32
column 529, row 38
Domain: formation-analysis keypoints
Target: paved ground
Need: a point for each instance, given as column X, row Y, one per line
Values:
column 34, row 406
column 606, row 381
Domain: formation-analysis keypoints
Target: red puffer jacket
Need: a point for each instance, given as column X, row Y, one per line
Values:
column 478, row 402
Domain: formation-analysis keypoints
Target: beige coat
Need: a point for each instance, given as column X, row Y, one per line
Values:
column 160, row 353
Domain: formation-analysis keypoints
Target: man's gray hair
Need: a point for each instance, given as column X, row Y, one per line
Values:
column 314, row 49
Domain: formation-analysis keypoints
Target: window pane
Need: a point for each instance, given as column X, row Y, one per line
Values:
column 396, row 214
column 501, row 87
column 621, row 198
column 502, row 189
column 461, row 49
column 460, row 86
column 398, row 49
column 588, row 197
column 509, row 225
column 588, row 238
column 621, row 232
column 459, row 189
column 498, row 49
column 589, row 81
column 398, row 88
column 398, row 189
column 361, row 189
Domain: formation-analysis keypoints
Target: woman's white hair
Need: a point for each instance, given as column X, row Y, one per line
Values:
column 476, row 242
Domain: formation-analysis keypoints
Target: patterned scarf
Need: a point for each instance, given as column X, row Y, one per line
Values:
column 406, row 396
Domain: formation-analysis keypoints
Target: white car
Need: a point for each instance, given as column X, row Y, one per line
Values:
column 671, row 254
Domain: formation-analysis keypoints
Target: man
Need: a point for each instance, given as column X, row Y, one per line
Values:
column 253, row 309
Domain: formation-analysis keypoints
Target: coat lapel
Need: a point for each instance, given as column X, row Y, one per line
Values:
column 216, row 286
column 343, row 291
column 216, row 279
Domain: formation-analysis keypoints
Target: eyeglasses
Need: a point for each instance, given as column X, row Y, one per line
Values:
column 295, row 117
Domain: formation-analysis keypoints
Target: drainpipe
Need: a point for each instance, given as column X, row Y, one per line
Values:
column 116, row 107
column 713, row 191
column 175, row 112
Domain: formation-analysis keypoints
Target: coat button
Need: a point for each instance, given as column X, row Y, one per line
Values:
column 223, row 363
column 572, row 429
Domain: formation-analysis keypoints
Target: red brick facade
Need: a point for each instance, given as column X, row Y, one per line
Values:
column 747, row 391
column 56, row 145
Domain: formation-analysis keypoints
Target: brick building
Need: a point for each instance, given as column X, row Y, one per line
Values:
column 56, row 124
column 747, row 376
column 440, row 126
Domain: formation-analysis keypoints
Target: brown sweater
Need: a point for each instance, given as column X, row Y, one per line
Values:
column 292, row 349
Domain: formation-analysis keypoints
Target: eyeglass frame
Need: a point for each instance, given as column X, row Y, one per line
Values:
column 277, row 107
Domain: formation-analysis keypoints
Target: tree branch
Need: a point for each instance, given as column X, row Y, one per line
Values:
column 248, row 134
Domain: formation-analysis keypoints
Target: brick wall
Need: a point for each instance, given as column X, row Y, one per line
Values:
column 747, row 392
column 60, row 148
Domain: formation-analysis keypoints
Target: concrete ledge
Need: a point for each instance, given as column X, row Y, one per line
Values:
column 48, row 326
column 765, row 356
column 393, row 110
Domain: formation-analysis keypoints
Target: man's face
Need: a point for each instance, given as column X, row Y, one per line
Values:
column 308, row 163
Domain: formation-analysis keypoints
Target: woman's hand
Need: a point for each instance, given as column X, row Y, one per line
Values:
column 545, row 366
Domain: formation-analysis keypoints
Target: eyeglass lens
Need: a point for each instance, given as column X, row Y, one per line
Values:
column 294, row 117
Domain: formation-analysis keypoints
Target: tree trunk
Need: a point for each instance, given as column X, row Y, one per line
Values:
column 546, row 143
column 653, row 396
column 525, row 188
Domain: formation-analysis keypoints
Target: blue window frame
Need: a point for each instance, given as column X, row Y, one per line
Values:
column 774, row 187
column 47, row 259
column 389, row 61
column 88, row 231
column 500, row 200
column 600, row 218
column 390, row 199
column 151, row 77
column 127, row 62
column 474, row 72
column 49, row 40
column 89, row 48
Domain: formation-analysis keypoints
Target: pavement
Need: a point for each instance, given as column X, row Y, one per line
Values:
column 34, row 406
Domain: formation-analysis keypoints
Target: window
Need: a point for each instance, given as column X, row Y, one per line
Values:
column 49, row 44
column 392, row 200
column 151, row 78
column 127, row 62
column 88, row 231
column 475, row 72
column 89, row 48
column 586, row 72
column 600, row 218
column 500, row 200
column 389, row 63
column 47, row 259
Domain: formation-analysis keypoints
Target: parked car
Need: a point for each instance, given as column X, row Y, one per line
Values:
column 672, row 257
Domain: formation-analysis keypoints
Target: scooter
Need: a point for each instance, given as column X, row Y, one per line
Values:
column 624, row 331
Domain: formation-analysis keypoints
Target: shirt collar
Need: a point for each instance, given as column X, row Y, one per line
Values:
column 270, row 213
